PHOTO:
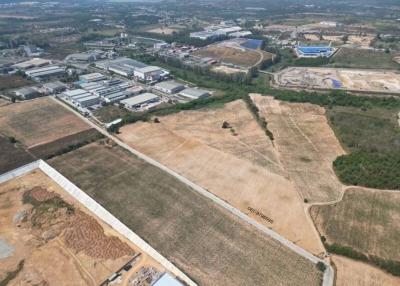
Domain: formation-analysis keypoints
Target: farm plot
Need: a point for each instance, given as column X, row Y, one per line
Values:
column 48, row 238
column 12, row 155
column 346, row 79
column 306, row 144
column 350, row 272
column 365, row 220
column 208, row 243
column 39, row 121
column 238, row 164
column 363, row 59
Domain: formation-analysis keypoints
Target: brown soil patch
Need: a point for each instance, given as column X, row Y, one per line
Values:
column 354, row 273
column 40, row 194
column 306, row 146
column 84, row 234
column 244, row 169
column 39, row 121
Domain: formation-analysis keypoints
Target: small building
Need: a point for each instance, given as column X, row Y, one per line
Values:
column 27, row 93
column 149, row 73
column 169, row 87
column 167, row 280
column 140, row 100
column 194, row 93
column 54, row 87
column 92, row 77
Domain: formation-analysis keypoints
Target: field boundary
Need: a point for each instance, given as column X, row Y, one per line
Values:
column 97, row 210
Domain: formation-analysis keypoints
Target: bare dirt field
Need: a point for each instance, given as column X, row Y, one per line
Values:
column 306, row 145
column 47, row 238
column 230, row 52
column 4, row 102
column 12, row 155
column 336, row 78
column 365, row 220
column 162, row 31
column 239, row 165
column 208, row 243
column 228, row 70
column 354, row 273
column 39, row 121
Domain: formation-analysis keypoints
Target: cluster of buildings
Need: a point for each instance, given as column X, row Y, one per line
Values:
column 31, row 92
column 221, row 30
column 39, row 69
column 133, row 69
column 96, row 88
column 172, row 87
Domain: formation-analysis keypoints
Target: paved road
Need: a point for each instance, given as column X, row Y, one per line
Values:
column 329, row 273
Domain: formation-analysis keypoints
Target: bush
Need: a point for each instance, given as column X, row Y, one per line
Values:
column 321, row 266
column 226, row 125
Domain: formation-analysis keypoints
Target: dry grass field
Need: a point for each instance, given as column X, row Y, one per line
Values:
column 12, row 155
column 239, row 165
column 48, row 238
column 233, row 55
column 366, row 220
column 211, row 245
column 39, row 121
column 306, row 145
column 354, row 273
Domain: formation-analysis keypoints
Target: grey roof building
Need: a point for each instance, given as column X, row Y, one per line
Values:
column 169, row 87
column 140, row 100
column 194, row 93
column 27, row 93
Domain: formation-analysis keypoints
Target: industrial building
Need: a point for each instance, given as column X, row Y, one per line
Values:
column 86, row 57
column 140, row 100
column 33, row 63
column 45, row 72
column 169, row 87
column 148, row 73
column 167, row 280
column 131, row 68
column 194, row 93
column 92, row 77
column 27, row 93
column 81, row 98
column 314, row 51
column 54, row 87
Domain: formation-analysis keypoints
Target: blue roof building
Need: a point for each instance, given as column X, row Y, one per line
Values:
column 314, row 51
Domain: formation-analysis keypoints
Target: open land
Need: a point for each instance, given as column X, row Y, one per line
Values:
column 350, row 272
column 4, row 102
column 335, row 78
column 13, row 81
column 239, row 165
column 363, row 59
column 356, row 40
column 365, row 220
column 306, row 145
column 39, row 121
column 109, row 113
column 48, row 238
column 230, row 52
column 209, row 244
column 12, row 155
column 162, row 30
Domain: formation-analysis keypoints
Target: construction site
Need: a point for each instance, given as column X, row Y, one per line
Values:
column 42, row 224
column 356, row 80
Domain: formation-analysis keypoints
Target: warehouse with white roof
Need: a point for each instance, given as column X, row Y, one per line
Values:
column 169, row 87
column 140, row 100
column 194, row 93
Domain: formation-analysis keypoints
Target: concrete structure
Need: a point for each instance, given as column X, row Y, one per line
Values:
column 194, row 93
column 167, row 280
column 92, row 77
column 54, row 87
column 140, row 100
column 86, row 57
column 240, row 34
column 169, row 87
column 27, row 93
column 45, row 72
